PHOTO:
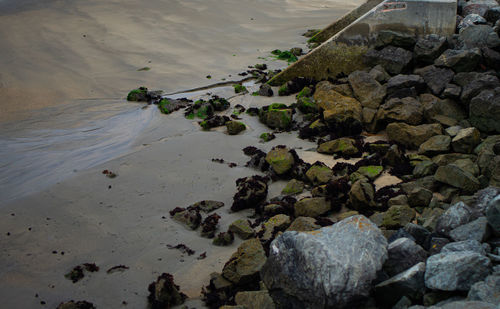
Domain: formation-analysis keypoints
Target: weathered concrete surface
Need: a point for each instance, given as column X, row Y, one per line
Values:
column 343, row 53
column 344, row 21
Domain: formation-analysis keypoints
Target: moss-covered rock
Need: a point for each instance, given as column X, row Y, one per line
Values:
column 307, row 105
column 344, row 146
column 280, row 159
column 294, row 186
column 266, row 137
column 270, row 227
column 371, row 171
column 361, row 195
column 312, row 207
column 245, row 264
column 319, row 174
column 242, row 228
column 398, row 216
column 303, row 224
column 164, row 293
column 223, row 239
column 235, row 127
column 240, row 88
column 276, row 116
column 138, row 95
column 255, row 300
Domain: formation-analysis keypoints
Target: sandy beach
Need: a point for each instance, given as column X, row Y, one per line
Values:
column 67, row 66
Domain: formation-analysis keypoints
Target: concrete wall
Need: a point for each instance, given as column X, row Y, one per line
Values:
column 343, row 53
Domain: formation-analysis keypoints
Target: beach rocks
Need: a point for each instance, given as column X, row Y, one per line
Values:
column 455, row 216
column 465, row 245
column 366, row 89
column 138, row 95
column 435, row 145
column 241, row 228
column 429, row 47
column 478, row 83
column 235, row 127
column 223, row 239
column 485, row 110
column 190, row 217
column 487, row 290
column 403, row 254
column 312, row 207
column 459, row 60
column 493, row 214
column 76, row 305
column 476, row 230
column 456, row 271
column 245, row 264
column 479, row 7
column 412, row 136
column 361, row 195
column 254, row 300
column 408, row 110
column 265, row 90
column 398, row 216
column 343, row 146
column 276, row 116
column 393, row 59
column 251, row 192
column 164, row 293
column 333, row 267
column 207, row 206
column 319, row 173
column 436, row 78
column 209, row 226
column 280, row 159
column 303, row 224
column 294, row 186
column 455, row 176
column 409, row 283
column 466, row 140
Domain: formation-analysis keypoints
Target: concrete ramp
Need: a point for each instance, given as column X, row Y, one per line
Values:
column 343, row 53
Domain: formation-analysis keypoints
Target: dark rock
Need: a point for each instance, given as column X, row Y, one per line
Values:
column 266, row 91
column 408, row 110
column 245, row 264
column 361, row 195
column 276, row 116
column 319, row 173
column 207, row 206
column 467, row 305
column 366, row 89
column 223, row 239
column 436, row 244
column 312, row 207
column 452, row 91
column 492, row 14
column 393, row 59
column 471, row 20
column 491, row 58
column 379, row 74
column 214, row 121
column 486, row 291
column 191, row 218
column 455, row 176
column 398, row 39
column 483, row 198
column 456, row 271
column 465, row 245
column 466, row 140
column 424, row 168
column 418, row 232
column 164, row 293
column 409, row 283
column 475, row 230
column 485, row 110
column 429, row 48
column 455, row 216
column 435, row 145
column 478, row 36
column 459, row 60
column 280, row 159
column 493, row 214
column 398, row 216
column 403, row 254
column 412, row 136
column 479, row 7
column 436, row 78
column 344, row 146
column 419, row 197
column 333, row 267
column 76, row 305
column 251, row 192
column 478, row 84
column 405, row 81
column 209, row 225
column 235, row 127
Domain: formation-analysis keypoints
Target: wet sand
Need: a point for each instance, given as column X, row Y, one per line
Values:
column 165, row 163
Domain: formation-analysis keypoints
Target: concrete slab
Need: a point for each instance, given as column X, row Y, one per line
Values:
column 343, row 53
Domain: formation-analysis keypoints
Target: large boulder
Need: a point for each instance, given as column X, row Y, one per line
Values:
column 478, row 36
column 245, row 264
column 456, row 271
column 429, row 47
column 280, row 159
column 487, row 290
column 332, row 267
column 408, row 110
column 393, row 59
column 459, row 60
column 455, row 176
column 436, row 78
column 485, row 110
column 412, row 136
column 367, row 90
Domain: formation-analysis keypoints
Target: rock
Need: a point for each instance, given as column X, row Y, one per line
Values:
column 398, row 216
column 400, row 200
column 424, row 168
column 471, row 20
column 467, row 305
column 235, row 127
column 486, row 291
column 429, row 47
column 430, row 217
column 297, row 51
column 436, row 244
column 418, row 232
column 479, row 7
column 164, row 293
column 393, row 59
column 493, row 14
column 343, row 89
column 76, row 305
column 138, row 95
column 403, row 254
column 339, row 111
column 485, row 110
column 368, row 115
column 493, row 214
column 280, row 159
column 254, row 300
column 242, row 228
column 455, row 216
column 483, row 198
column 491, row 58
column 468, row 166
column 379, row 74
column 405, row 81
column 465, row 245
column 412, row 136
column 466, row 140
column 408, row 110
column 273, row 225
column 366, row 89
column 277, row 116
column 245, row 264
column 398, row 39
column 251, row 192
column 265, row 90
column 419, row 197
column 312, row 207
column 361, row 195
column 434, row 106
column 332, row 267
column 344, row 146
column 478, row 36
column 477, row 85
column 223, row 239
column 319, row 174
column 207, row 206
column 435, row 145
column 436, row 78
column 210, row 225
column 450, row 158
column 459, row 60
column 456, row 271
column 307, row 105
column 294, row 186
column 453, row 175
column 451, row 91
column 191, row 218
column 303, row 224
column 475, row 230
column 370, row 171
column 409, row 283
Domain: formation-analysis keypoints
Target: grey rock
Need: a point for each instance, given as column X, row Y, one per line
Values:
column 459, row 60
column 409, row 283
column 465, row 245
column 398, row 39
column 485, row 110
column 493, row 214
column 491, row 58
column 418, row 232
column 479, row 7
column 476, row 36
column 475, row 230
column 436, row 78
column 466, row 140
column 393, row 59
column 403, row 254
column 405, row 81
column 379, row 74
column 453, row 175
column 483, row 197
column 366, row 89
column 333, row 267
column 486, row 291
column 435, row 145
column 467, row 305
column 265, row 90
column 428, row 48
column 408, row 110
column 478, row 84
column 436, row 244
column 471, row 20
column 424, row 168
column 434, row 106
column 455, row 216
column 456, row 271
column 493, row 14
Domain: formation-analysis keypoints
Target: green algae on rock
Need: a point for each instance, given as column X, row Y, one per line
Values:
column 138, row 95
column 280, row 159
column 235, row 127
column 238, row 88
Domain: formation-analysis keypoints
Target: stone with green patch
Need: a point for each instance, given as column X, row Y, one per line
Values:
column 294, row 186
column 280, row 160
column 319, row 174
column 235, row 127
column 344, row 146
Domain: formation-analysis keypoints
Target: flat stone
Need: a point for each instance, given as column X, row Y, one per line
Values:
column 475, row 230
column 429, row 47
column 408, row 110
column 436, row 78
column 343, row 145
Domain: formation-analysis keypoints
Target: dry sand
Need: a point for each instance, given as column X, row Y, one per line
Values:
column 162, row 161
